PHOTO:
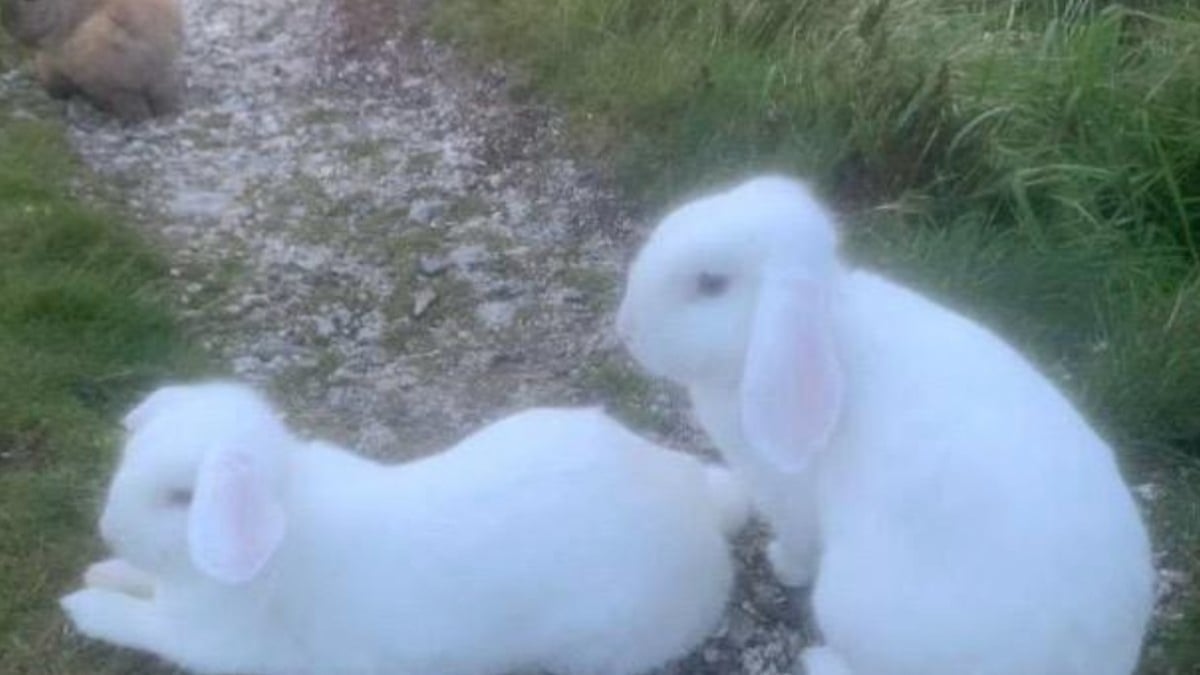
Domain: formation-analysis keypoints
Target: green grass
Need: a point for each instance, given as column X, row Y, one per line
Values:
column 625, row 392
column 82, row 332
column 1042, row 166
column 1035, row 162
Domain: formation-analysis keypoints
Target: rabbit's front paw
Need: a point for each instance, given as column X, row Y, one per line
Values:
column 91, row 612
column 117, row 575
column 105, row 615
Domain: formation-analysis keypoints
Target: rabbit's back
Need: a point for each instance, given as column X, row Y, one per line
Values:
column 973, row 519
column 544, row 540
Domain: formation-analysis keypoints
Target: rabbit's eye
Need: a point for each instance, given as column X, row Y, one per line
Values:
column 178, row 498
column 711, row 285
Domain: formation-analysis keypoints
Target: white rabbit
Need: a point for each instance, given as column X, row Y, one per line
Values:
column 965, row 518
column 553, row 539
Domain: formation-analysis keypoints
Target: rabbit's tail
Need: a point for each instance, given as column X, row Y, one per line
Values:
column 730, row 497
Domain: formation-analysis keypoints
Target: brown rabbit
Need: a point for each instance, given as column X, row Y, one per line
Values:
column 120, row 54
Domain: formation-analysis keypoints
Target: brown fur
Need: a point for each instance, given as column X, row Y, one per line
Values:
column 120, row 54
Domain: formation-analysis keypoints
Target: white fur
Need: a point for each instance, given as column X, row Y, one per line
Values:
column 552, row 539
column 958, row 513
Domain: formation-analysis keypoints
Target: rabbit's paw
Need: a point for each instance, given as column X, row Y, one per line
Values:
column 117, row 575
column 91, row 612
column 105, row 615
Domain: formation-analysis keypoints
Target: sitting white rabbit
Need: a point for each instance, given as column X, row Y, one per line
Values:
column 553, row 539
column 965, row 517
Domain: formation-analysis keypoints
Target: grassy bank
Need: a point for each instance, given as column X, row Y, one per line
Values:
column 82, row 330
column 1037, row 162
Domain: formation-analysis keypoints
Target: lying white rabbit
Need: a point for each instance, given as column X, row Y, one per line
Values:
column 965, row 517
column 554, row 539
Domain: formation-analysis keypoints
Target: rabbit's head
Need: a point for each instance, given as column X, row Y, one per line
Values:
column 732, row 291
column 199, row 483
column 33, row 22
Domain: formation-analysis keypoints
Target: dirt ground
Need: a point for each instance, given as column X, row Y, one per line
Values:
column 397, row 248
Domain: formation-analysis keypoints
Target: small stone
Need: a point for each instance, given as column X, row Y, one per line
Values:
column 431, row 266
column 324, row 327
column 496, row 315
column 1148, row 492
column 1171, row 578
column 503, row 291
column 310, row 259
column 501, row 359
column 468, row 257
column 344, row 374
column 370, row 331
column 425, row 211
column 245, row 364
column 422, row 299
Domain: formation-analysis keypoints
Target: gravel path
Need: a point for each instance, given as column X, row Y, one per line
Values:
column 394, row 247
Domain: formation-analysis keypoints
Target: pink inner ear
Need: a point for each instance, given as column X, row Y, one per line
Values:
column 792, row 383
column 245, row 502
column 235, row 523
column 819, row 383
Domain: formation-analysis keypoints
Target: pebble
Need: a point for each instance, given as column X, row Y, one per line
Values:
column 422, row 299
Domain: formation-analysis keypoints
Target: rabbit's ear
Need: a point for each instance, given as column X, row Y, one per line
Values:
column 791, row 390
column 160, row 398
column 235, row 522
